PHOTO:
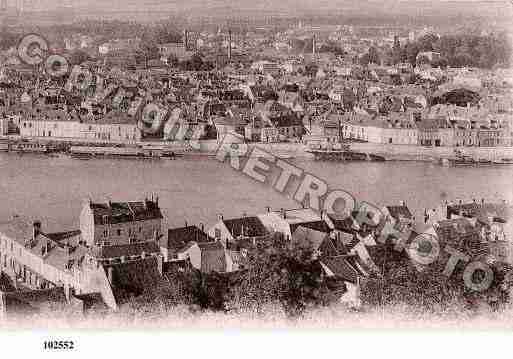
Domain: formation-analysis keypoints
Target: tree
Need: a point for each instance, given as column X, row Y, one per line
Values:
column 412, row 50
column 282, row 273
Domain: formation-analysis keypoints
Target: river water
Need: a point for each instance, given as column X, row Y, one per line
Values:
column 198, row 190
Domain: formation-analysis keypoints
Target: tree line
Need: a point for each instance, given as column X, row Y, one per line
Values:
column 458, row 50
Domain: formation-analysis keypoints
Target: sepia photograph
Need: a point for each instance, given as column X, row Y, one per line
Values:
column 236, row 165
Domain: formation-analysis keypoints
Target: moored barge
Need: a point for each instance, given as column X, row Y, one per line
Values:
column 343, row 154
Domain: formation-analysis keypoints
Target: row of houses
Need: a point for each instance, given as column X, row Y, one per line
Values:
column 60, row 125
column 120, row 250
column 437, row 131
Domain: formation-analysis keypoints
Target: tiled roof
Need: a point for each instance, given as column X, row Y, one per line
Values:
column 399, row 211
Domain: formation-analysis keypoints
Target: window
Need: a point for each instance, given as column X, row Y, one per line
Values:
column 119, row 232
column 218, row 233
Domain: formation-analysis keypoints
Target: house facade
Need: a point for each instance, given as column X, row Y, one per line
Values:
column 115, row 223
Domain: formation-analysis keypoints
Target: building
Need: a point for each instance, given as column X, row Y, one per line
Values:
column 286, row 221
column 435, row 132
column 206, row 257
column 59, row 124
column 117, row 223
column 230, row 231
column 179, row 238
column 39, row 261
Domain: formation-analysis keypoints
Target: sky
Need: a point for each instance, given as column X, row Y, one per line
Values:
column 288, row 7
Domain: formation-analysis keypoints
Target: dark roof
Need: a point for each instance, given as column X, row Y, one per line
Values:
column 344, row 224
column 177, row 238
column 341, row 267
column 120, row 212
column 127, row 250
column 60, row 236
column 397, row 211
column 252, row 227
column 320, row 226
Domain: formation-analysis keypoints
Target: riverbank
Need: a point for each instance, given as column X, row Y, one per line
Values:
column 286, row 150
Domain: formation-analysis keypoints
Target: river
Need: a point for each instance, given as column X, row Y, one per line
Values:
column 198, row 190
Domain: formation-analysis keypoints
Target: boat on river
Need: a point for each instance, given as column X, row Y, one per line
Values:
column 344, row 153
column 460, row 159
column 89, row 152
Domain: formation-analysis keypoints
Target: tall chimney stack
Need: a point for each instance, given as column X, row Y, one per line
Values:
column 186, row 39
column 230, row 44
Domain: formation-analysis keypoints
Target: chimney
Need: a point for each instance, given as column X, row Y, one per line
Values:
column 36, row 230
column 202, row 226
column 283, row 213
column 220, row 217
column 46, row 248
column 186, row 224
column 482, row 201
column 110, row 272
column 229, row 44
column 268, row 209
